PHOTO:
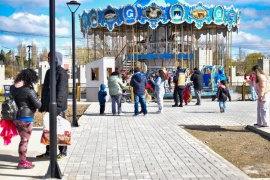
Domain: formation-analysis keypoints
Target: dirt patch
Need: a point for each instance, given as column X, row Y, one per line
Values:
column 245, row 149
column 81, row 108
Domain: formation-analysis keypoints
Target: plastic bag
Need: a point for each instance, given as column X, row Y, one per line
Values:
column 63, row 131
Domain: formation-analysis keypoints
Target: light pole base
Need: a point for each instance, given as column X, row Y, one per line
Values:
column 56, row 174
column 75, row 123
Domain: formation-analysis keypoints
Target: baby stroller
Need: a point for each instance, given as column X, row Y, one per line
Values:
column 125, row 97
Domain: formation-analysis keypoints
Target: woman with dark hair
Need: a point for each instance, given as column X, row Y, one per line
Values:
column 262, row 88
column 159, row 83
column 27, row 101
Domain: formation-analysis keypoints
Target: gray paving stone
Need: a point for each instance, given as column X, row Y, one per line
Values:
column 152, row 147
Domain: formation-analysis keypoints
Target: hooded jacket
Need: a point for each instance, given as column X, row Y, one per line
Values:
column 26, row 99
column 115, row 85
column 61, row 87
column 138, row 82
column 223, row 93
column 179, row 79
column 102, row 94
column 197, row 79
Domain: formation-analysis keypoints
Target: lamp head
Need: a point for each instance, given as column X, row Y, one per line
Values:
column 73, row 6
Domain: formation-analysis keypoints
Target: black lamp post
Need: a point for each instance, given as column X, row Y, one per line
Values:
column 73, row 6
column 29, row 66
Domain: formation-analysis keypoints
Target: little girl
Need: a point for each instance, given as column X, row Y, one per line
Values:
column 223, row 94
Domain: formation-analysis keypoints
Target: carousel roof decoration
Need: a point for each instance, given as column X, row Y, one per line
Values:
column 161, row 11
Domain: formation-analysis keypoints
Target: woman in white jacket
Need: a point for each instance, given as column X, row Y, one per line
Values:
column 262, row 88
column 159, row 83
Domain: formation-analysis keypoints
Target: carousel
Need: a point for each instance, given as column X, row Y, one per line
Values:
column 161, row 33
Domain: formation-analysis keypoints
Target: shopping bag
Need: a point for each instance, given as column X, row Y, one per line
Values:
column 63, row 130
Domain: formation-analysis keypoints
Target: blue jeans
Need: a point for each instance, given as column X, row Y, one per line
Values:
column 116, row 100
column 222, row 104
column 141, row 99
column 253, row 93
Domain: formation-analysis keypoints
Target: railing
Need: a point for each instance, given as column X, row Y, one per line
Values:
column 159, row 47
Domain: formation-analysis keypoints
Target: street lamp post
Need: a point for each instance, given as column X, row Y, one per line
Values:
column 73, row 6
column 29, row 66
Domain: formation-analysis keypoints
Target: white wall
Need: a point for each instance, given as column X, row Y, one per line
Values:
column 92, row 86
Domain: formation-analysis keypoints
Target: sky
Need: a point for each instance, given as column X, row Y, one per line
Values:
column 28, row 21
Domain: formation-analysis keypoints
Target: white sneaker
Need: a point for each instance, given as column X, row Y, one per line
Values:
column 121, row 114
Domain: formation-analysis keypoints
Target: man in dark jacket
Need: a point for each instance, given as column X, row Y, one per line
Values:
column 197, row 78
column 179, row 80
column 138, row 82
column 61, row 98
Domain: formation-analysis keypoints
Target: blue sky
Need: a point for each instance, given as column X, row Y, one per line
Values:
column 28, row 20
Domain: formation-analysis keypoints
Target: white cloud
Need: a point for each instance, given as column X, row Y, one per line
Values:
column 251, row 43
column 8, row 41
column 249, row 13
column 23, row 22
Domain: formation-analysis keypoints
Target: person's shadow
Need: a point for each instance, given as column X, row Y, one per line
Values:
column 13, row 162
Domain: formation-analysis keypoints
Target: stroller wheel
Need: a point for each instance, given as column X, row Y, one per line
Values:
column 128, row 99
column 123, row 100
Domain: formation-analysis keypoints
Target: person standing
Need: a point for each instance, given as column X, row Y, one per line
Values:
column 138, row 82
column 61, row 99
column 102, row 98
column 262, row 88
column 197, row 78
column 27, row 101
column 223, row 94
column 254, row 96
column 179, row 80
column 116, row 86
column 159, row 83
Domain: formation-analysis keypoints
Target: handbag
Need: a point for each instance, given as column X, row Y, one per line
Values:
column 63, row 130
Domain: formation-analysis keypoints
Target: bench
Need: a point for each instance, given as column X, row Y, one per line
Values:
column 6, row 91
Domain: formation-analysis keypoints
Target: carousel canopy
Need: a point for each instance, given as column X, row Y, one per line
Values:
column 159, row 2
column 153, row 13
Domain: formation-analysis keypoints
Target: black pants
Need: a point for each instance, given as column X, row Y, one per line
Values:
column 175, row 95
column 181, row 95
column 178, row 95
column 62, row 149
column 102, row 108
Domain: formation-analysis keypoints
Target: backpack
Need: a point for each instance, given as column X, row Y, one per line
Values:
column 9, row 109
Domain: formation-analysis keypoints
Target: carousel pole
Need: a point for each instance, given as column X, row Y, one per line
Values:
column 95, row 50
column 206, row 45
column 182, row 44
column 132, row 94
column 103, row 42
column 217, row 46
column 188, row 61
column 230, row 60
column 175, row 44
column 226, row 51
column 212, row 41
column 192, row 44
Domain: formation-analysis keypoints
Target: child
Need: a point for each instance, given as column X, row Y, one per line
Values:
column 102, row 98
column 223, row 94
column 187, row 93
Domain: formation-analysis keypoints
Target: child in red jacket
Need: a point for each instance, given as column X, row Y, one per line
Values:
column 187, row 91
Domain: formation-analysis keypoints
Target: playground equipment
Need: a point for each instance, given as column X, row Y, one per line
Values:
column 155, row 33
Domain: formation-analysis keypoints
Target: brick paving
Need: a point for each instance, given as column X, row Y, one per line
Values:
column 153, row 146
column 135, row 148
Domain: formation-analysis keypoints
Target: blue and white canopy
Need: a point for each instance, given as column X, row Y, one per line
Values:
column 155, row 12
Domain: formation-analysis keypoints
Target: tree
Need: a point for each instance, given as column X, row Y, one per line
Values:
column 2, row 56
column 250, row 61
column 22, row 63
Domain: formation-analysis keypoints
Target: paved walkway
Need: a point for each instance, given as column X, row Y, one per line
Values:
column 144, row 147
